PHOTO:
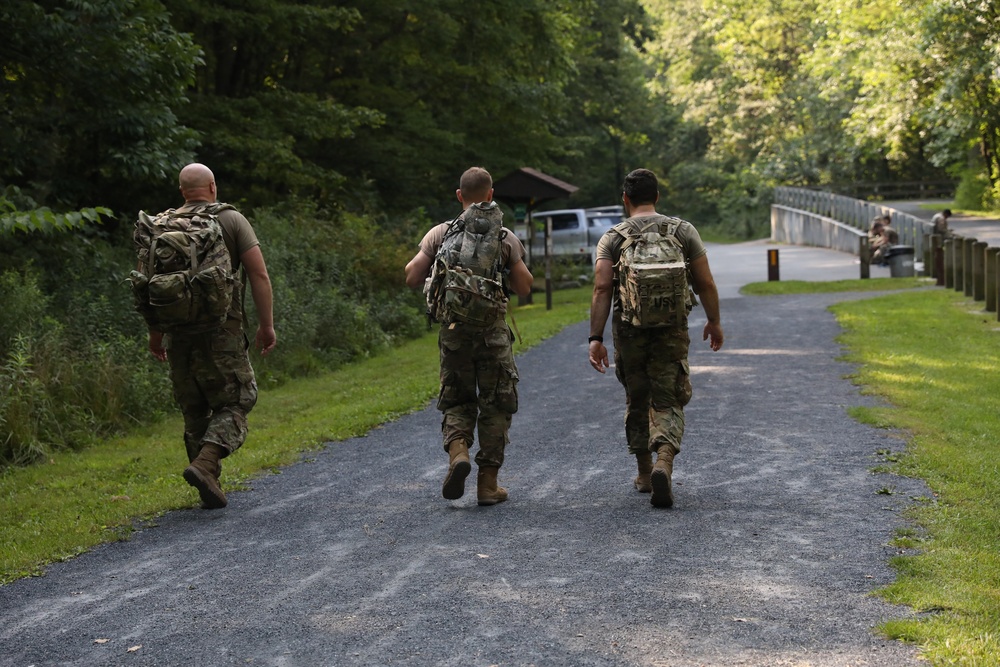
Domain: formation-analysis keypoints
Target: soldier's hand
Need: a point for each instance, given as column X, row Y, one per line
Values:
column 156, row 346
column 266, row 340
column 598, row 356
column 713, row 334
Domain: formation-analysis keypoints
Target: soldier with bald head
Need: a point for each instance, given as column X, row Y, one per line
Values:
column 213, row 381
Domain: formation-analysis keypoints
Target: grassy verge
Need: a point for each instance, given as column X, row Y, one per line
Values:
column 855, row 285
column 59, row 509
column 933, row 355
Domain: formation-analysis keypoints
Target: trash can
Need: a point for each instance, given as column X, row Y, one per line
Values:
column 900, row 261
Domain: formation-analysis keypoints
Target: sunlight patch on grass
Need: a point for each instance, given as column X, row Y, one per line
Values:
column 780, row 287
column 934, row 362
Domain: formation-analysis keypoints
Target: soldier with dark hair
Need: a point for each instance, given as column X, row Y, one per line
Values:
column 651, row 354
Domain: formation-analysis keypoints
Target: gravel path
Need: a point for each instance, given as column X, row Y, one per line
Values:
column 770, row 556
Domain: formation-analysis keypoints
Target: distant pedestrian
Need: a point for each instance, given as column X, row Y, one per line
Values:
column 879, row 240
column 940, row 222
column 888, row 231
column 462, row 264
column 213, row 382
column 641, row 273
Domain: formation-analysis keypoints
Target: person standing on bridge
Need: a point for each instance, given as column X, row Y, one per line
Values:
column 478, row 374
column 642, row 269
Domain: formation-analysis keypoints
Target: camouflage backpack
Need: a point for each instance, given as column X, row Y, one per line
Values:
column 652, row 275
column 185, row 280
column 465, row 283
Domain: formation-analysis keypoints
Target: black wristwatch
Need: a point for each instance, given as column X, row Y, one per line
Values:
column 599, row 339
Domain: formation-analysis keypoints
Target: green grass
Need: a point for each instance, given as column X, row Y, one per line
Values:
column 932, row 354
column 59, row 509
column 777, row 287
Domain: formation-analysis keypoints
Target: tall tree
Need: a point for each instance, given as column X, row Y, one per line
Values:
column 262, row 103
column 604, row 126
column 962, row 39
column 88, row 93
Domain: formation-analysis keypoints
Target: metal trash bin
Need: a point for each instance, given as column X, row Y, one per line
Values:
column 900, row 259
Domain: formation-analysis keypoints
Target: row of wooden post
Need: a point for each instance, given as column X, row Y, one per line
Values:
column 965, row 265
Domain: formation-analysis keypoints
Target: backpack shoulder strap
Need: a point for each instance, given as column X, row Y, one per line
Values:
column 218, row 207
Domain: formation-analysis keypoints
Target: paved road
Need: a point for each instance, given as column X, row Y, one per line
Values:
column 770, row 556
column 980, row 228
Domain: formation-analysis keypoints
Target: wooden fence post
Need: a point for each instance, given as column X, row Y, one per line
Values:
column 979, row 270
column 937, row 258
column 968, row 248
column 956, row 264
column 948, row 258
column 865, row 255
column 991, row 279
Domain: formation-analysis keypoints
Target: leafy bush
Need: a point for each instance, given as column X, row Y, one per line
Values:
column 338, row 287
column 74, row 364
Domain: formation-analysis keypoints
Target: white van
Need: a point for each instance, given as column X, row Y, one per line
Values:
column 575, row 231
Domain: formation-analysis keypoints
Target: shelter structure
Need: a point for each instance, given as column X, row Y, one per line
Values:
column 524, row 189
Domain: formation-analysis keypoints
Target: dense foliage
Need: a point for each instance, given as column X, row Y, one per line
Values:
column 340, row 128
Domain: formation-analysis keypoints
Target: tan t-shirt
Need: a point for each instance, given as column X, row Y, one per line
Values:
column 610, row 245
column 511, row 250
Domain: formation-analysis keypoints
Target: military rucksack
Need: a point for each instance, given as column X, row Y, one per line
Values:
column 185, row 281
column 465, row 283
column 652, row 275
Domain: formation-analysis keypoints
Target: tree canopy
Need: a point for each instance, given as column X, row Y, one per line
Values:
column 375, row 106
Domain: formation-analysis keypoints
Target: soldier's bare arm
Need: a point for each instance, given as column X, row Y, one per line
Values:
column 600, row 308
column 520, row 279
column 417, row 270
column 704, row 285
column 263, row 299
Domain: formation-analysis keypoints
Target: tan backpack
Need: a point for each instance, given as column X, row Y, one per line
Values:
column 466, row 284
column 185, row 281
column 652, row 275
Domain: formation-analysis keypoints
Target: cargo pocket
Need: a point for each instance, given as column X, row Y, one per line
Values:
column 505, row 398
column 170, row 298
column 448, row 394
column 683, row 387
column 214, row 287
column 229, row 351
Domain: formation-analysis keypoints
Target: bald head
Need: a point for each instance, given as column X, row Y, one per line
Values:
column 197, row 183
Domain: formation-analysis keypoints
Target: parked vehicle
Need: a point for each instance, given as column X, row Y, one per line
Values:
column 575, row 231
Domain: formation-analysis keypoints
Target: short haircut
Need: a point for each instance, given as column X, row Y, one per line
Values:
column 641, row 187
column 475, row 184
column 946, row 213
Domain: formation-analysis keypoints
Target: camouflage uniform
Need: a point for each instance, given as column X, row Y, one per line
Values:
column 213, row 381
column 651, row 363
column 471, row 358
column 478, row 373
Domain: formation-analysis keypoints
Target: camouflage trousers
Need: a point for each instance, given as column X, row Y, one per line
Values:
column 214, row 386
column 478, row 387
column 652, row 365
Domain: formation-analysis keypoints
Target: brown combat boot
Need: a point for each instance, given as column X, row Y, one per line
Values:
column 458, row 469
column 203, row 474
column 487, row 490
column 645, row 465
column 663, row 495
